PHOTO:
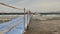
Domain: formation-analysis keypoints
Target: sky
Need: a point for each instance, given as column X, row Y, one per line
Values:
column 33, row 5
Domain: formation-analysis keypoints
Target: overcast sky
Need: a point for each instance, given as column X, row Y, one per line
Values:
column 33, row 5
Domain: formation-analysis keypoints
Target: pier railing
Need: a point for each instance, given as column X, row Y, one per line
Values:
column 16, row 26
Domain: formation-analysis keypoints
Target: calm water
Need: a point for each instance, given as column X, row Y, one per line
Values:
column 6, row 18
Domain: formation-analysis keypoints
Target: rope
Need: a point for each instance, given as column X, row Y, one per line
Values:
column 11, row 6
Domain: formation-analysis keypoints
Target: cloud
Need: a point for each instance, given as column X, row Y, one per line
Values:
column 36, row 5
column 46, row 5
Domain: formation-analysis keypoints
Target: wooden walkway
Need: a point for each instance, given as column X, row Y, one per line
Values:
column 44, row 27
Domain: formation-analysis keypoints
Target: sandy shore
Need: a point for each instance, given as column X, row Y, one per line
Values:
column 44, row 27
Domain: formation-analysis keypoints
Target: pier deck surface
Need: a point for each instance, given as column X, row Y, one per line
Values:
column 44, row 27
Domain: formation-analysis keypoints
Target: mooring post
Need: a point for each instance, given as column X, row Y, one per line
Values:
column 24, row 18
column 27, row 16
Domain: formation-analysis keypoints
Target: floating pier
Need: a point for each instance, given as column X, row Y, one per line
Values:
column 15, row 26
